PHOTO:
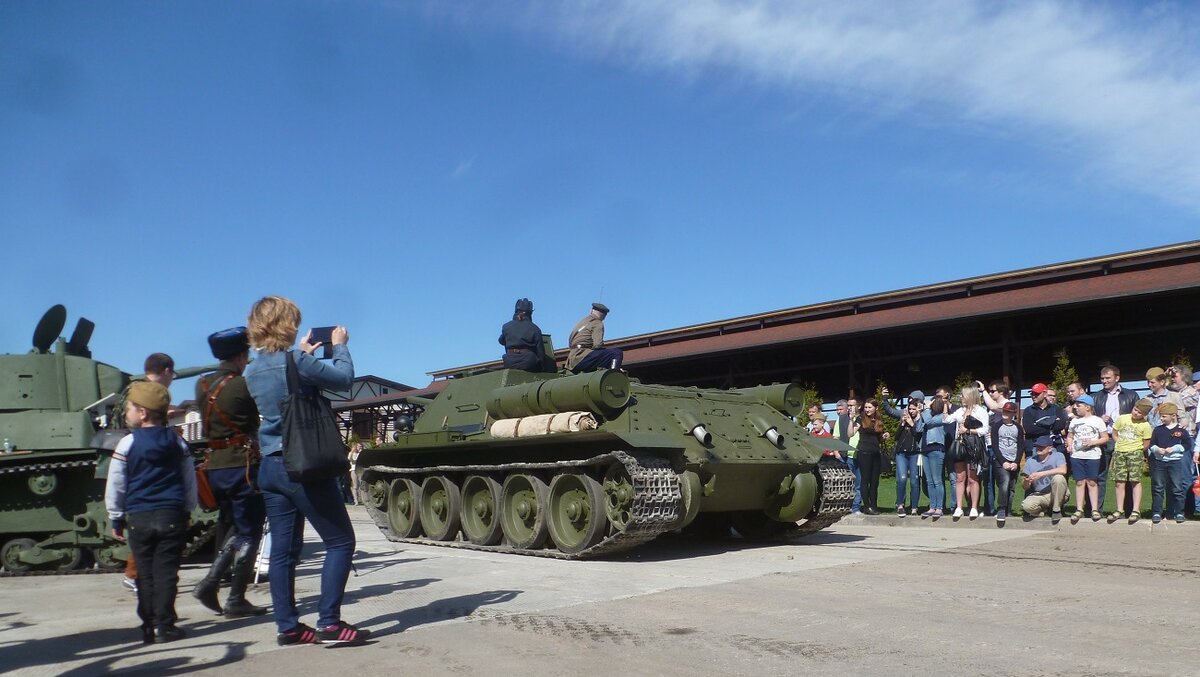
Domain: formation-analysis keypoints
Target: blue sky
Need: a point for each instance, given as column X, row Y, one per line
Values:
column 409, row 169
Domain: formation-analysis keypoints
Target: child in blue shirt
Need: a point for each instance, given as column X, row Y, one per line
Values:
column 1171, row 448
column 151, row 492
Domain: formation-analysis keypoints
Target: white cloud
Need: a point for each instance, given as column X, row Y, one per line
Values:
column 463, row 167
column 1113, row 84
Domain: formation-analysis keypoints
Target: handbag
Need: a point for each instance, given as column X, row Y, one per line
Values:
column 204, row 493
column 968, row 448
column 974, row 449
column 1196, row 484
column 313, row 448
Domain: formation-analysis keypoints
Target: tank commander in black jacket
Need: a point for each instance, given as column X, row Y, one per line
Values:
column 522, row 340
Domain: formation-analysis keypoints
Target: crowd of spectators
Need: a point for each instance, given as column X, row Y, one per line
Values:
column 981, row 442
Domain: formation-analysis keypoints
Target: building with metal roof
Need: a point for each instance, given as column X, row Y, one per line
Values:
column 1133, row 309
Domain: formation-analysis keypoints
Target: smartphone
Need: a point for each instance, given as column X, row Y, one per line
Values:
column 324, row 336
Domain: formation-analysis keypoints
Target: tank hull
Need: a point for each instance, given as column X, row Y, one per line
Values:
column 486, row 468
column 53, row 517
column 54, row 467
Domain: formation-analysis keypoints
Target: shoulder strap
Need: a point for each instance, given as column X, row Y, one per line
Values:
column 293, row 376
column 211, row 399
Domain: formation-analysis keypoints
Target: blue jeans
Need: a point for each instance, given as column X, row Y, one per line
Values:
column 1006, row 484
column 857, row 505
column 906, row 480
column 1191, row 478
column 935, row 461
column 1167, row 478
column 288, row 505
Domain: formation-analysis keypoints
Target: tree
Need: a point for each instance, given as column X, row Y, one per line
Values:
column 963, row 380
column 811, row 397
column 1064, row 373
column 1181, row 357
column 892, row 426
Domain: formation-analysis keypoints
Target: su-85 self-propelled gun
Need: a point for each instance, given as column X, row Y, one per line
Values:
column 54, row 409
column 592, row 464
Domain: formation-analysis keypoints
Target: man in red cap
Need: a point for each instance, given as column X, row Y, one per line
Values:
column 1043, row 417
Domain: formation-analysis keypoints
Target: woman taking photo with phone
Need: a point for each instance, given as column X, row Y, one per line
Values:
column 273, row 324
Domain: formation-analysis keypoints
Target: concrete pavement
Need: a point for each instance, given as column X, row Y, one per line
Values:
column 672, row 607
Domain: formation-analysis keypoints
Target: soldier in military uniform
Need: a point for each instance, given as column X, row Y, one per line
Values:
column 231, row 425
column 522, row 340
column 587, row 344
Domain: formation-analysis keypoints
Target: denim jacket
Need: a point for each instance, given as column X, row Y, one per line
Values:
column 933, row 429
column 266, row 376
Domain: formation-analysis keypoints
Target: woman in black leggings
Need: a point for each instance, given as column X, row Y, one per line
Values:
column 869, row 456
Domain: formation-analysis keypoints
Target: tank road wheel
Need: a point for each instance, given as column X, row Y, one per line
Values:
column 481, row 510
column 73, row 558
column 377, row 494
column 441, row 504
column 618, row 496
column 403, row 507
column 523, row 502
column 106, row 559
column 577, row 515
column 755, row 525
column 10, row 554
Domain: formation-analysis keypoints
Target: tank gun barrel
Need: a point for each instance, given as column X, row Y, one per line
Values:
column 186, row 372
column 600, row 392
column 787, row 398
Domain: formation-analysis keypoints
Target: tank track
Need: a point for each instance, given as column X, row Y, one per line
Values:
column 837, row 497
column 197, row 536
column 39, row 467
column 656, row 504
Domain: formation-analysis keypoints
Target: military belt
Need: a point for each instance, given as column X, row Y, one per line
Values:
column 235, row 441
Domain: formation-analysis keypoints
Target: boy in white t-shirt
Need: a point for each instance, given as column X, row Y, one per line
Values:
column 1086, row 436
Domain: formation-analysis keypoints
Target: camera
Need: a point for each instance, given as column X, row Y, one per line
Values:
column 324, row 336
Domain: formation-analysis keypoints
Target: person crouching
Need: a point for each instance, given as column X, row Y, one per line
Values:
column 151, row 491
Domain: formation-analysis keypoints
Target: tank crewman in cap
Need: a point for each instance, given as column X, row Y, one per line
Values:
column 587, row 344
column 522, row 340
column 231, row 424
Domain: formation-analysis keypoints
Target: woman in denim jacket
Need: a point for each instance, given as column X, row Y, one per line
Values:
column 273, row 324
column 933, row 450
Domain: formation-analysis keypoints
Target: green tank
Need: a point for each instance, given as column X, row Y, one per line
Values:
column 55, row 405
column 581, row 466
